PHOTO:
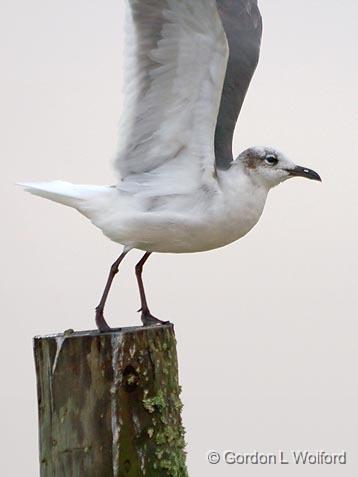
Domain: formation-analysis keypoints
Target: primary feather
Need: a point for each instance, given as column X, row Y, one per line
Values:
column 243, row 27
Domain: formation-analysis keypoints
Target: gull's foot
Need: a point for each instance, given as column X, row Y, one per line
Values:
column 101, row 323
column 150, row 320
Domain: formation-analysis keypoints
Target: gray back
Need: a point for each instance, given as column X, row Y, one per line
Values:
column 243, row 26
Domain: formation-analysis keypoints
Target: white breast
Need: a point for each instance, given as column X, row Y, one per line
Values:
column 200, row 221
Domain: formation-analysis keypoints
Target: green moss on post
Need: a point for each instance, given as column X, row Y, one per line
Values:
column 109, row 404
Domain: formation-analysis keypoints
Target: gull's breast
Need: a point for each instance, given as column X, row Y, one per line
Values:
column 185, row 226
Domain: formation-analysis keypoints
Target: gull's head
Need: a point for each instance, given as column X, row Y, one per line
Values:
column 270, row 167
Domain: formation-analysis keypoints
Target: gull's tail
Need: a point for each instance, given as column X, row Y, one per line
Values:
column 73, row 195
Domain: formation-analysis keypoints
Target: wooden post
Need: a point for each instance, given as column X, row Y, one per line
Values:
column 109, row 404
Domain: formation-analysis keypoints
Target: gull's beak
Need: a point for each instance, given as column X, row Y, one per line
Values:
column 299, row 171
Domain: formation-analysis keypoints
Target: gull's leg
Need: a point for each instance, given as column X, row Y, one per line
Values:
column 100, row 321
column 147, row 318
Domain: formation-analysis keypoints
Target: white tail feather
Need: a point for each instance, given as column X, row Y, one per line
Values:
column 65, row 193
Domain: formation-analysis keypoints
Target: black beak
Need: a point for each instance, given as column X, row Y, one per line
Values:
column 299, row 171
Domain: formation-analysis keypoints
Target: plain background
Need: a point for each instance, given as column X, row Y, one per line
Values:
column 267, row 327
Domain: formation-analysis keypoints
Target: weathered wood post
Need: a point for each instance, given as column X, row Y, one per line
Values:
column 109, row 404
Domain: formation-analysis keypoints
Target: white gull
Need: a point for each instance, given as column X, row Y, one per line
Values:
column 179, row 190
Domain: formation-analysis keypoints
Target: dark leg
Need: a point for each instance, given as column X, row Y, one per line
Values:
column 147, row 318
column 100, row 321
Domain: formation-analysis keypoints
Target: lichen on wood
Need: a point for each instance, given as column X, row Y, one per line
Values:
column 109, row 404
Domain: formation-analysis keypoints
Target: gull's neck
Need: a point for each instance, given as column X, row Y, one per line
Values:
column 238, row 181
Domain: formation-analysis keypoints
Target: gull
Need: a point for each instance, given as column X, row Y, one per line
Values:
column 188, row 66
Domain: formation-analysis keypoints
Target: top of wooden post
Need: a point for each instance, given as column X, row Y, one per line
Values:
column 92, row 333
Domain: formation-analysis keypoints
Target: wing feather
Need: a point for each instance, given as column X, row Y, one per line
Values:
column 176, row 62
column 243, row 26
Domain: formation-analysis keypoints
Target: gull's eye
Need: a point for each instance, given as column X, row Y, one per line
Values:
column 271, row 160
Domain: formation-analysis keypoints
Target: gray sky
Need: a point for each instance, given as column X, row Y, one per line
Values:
column 266, row 327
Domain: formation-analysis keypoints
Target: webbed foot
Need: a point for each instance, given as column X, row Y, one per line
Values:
column 149, row 320
column 101, row 323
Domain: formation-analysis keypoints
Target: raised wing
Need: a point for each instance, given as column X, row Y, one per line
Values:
column 175, row 68
column 243, row 27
